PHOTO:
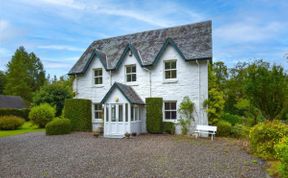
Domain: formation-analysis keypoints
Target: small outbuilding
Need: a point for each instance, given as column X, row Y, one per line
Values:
column 12, row 102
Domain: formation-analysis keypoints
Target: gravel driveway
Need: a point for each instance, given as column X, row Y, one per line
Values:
column 82, row 155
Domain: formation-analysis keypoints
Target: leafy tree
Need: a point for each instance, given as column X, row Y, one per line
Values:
column 220, row 72
column 54, row 94
column 215, row 104
column 186, row 110
column 25, row 74
column 2, row 82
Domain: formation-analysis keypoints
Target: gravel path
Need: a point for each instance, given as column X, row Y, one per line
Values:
column 82, row 155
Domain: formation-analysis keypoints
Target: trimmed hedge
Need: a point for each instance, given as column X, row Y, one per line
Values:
column 10, row 122
column 78, row 111
column 58, row 126
column 42, row 114
column 169, row 127
column 154, row 115
column 23, row 113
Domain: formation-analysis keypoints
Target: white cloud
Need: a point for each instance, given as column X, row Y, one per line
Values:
column 7, row 31
column 61, row 47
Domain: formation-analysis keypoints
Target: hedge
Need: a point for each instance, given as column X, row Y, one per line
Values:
column 23, row 113
column 154, row 115
column 58, row 126
column 10, row 122
column 78, row 111
column 42, row 114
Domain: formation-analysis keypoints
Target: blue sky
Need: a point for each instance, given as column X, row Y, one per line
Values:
column 59, row 31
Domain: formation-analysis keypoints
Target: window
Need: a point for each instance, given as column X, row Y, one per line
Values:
column 98, row 111
column 107, row 113
column 131, row 73
column 113, row 113
column 98, row 76
column 170, row 111
column 170, row 70
column 120, row 113
column 132, row 113
column 126, row 112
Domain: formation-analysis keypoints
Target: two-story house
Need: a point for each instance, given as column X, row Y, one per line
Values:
column 118, row 73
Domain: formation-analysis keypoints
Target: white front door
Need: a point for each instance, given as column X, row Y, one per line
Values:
column 116, row 122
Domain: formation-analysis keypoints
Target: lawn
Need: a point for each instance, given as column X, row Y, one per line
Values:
column 26, row 128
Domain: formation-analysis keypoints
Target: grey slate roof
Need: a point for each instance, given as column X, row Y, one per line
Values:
column 193, row 40
column 127, row 91
column 15, row 102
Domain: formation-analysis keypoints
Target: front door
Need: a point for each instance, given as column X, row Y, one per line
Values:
column 115, row 122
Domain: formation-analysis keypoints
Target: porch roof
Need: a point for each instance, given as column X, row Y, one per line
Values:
column 128, row 92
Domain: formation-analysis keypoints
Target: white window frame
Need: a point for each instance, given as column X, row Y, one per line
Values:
column 131, row 73
column 96, row 77
column 164, row 118
column 169, row 70
column 99, row 111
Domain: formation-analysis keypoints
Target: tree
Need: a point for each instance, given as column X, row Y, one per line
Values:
column 186, row 110
column 2, row 82
column 25, row 74
column 54, row 94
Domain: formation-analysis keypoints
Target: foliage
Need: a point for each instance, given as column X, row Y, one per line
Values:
column 54, row 94
column 215, row 105
column 282, row 153
column 27, row 127
column 2, row 82
column 42, row 114
column 78, row 111
column 231, row 118
column 240, row 131
column 223, row 128
column 154, row 115
column 25, row 74
column 186, row 109
column 184, row 123
column 58, row 126
column 10, row 122
column 169, row 127
column 23, row 113
column 264, row 136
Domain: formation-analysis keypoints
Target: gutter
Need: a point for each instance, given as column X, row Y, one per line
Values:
column 199, row 87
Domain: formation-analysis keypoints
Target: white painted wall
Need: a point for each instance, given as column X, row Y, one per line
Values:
column 187, row 83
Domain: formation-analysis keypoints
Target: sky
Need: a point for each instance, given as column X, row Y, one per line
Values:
column 58, row 31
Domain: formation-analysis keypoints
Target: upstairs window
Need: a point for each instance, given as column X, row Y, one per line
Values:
column 131, row 73
column 170, row 70
column 170, row 110
column 98, row 74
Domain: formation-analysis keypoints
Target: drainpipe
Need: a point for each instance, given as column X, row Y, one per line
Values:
column 150, row 81
column 110, row 78
column 199, row 88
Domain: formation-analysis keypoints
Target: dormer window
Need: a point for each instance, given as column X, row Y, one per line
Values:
column 98, row 74
column 131, row 73
column 170, row 69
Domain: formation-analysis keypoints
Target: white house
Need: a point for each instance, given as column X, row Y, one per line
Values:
column 118, row 73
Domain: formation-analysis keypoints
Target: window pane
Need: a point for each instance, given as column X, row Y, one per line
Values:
column 133, row 77
column 167, row 65
column 96, row 115
column 128, row 69
column 126, row 112
column 167, row 114
column 100, row 72
column 173, row 105
column 113, row 113
column 167, row 106
column 107, row 113
column 120, row 113
column 100, row 81
column 173, row 65
column 133, row 68
column 167, row 74
column 173, row 115
column 132, row 113
column 173, row 74
column 128, row 78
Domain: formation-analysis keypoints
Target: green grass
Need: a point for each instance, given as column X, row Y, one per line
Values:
column 25, row 128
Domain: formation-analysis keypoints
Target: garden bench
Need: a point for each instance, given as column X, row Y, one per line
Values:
column 206, row 129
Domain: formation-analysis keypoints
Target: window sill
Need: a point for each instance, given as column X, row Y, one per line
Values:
column 98, row 86
column 132, row 83
column 97, row 121
column 170, row 81
column 173, row 121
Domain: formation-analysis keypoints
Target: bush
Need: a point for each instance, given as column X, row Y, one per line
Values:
column 10, row 122
column 42, row 114
column 78, row 111
column 23, row 113
column 223, row 128
column 231, row 118
column 154, row 115
column 282, row 153
column 239, row 131
column 264, row 136
column 58, row 126
column 169, row 127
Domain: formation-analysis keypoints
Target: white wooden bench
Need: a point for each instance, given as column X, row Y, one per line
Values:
column 207, row 129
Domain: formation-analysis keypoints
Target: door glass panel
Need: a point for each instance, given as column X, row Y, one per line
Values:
column 107, row 113
column 113, row 113
column 120, row 113
column 126, row 112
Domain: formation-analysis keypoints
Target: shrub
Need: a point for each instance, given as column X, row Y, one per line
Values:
column 58, row 126
column 223, row 128
column 154, row 115
column 78, row 111
column 282, row 153
column 239, row 131
column 264, row 136
column 231, row 118
column 23, row 113
column 185, row 124
column 42, row 114
column 169, row 127
column 10, row 122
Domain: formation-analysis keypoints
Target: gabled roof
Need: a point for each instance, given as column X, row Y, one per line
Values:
column 15, row 102
column 193, row 41
column 127, row 91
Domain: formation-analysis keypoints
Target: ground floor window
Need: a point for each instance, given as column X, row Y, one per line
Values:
column 170, row 110
column 98, row 111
